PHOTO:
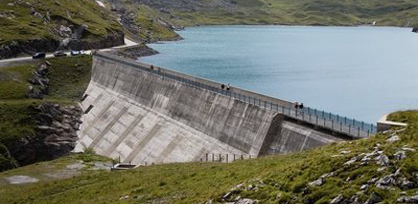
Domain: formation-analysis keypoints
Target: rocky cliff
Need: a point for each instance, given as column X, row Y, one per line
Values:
column 54, row 136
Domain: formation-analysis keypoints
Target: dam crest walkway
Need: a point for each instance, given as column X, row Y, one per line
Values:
column 308, row 116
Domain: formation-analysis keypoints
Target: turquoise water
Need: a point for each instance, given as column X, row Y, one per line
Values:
column 358, row 72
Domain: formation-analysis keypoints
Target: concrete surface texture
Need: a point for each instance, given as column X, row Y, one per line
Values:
column 142, row 117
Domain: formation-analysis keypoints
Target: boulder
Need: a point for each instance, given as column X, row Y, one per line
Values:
column 385, row 182
column 393, row 138
column 245, row 201
column 337, row 200
column 382, row 160
column 400, row 155
column 408, row 199
column 78, row 33
column 318, row 182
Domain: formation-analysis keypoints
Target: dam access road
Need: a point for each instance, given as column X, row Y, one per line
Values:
column 143, row 114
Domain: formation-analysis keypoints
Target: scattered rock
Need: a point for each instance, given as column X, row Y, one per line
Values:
column 385, row 182
column 351, row 161
column 337, row 200
column 327, row 175
column 394, row 138
column 408, row 199
column 124, row 197
column 397, row 172
column 400, row 155
column 245, row 201
column 372, row 181
column 381, row 169
column 408, row 149
column 364, row 187
column 382, row 160
column 406, row 184
column 318, row 182
column 345, row 152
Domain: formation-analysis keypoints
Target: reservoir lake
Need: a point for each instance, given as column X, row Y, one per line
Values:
column 358, row 72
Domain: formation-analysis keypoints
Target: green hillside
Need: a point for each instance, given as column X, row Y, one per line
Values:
column 293, row 12
column 23, row 24
column 345, row 167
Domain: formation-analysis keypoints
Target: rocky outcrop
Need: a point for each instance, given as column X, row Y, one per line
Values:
column 17, row 48
column 104, row 42
column 134, row 52
column 55, row 136
column 39, row 78
column 415, row 29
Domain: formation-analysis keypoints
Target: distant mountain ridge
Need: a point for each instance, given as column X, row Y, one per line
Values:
column 403, row 13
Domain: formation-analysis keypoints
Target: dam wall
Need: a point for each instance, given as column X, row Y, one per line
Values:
column 145, row 114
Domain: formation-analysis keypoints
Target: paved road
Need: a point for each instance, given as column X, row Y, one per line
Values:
column 3, row 62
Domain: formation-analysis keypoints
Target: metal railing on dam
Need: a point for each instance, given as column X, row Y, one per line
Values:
column 317, row 118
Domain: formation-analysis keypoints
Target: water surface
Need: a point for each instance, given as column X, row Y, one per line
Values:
column 359, row 72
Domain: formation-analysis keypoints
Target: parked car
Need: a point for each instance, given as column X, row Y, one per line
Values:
column 39, row 55
column 59, row 54
column 75, row 53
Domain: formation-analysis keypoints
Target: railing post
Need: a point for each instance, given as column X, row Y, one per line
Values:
column 207, row 155
column 345, row 120
column 341, row 126
column 332, row 124
column 213, row 157
column 227, row 158
column 234, row 158
column 368, row 133
column 316, row 119
column 220, row 157
column 358, row 131
column 283, row 109
column 349, row 129
column 362, row 125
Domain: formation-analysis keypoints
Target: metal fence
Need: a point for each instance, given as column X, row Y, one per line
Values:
column 318, row 118
column 226, row 158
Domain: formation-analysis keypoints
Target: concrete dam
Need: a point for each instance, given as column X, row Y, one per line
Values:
column 144, row 114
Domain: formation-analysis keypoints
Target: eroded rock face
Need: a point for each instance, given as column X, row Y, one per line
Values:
column 55, row 135
column 16, row 48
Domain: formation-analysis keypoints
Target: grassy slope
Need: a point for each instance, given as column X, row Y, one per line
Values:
column 148, row 20
column 301, row 12
column 52, row 170
column 69, row 78
column 279, row 178
column 24, row 26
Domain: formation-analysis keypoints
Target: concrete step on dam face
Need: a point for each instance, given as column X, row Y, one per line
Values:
column 140, row 115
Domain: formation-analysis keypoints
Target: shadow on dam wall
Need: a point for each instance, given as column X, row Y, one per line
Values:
column 141, row 116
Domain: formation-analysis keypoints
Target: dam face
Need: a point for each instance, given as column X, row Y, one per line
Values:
column 154, row 115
